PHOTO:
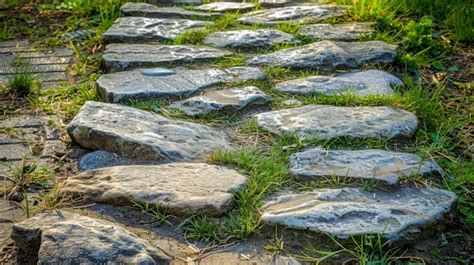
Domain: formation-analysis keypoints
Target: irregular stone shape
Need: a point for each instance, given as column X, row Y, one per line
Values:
column 351, row 212
column 338, row 32
column 134, row 29
column 60, row 237
column 149, row 10
column 386, row 166
column 119, row 56
column 226, row 7
column 133, row 133
column 371, row 82
column 292, row 14
column 249, row 39
column 227, row 100
column 175, row 83
column 100, row 159
column 327, row 122
column 180, row 188
column 329, row 55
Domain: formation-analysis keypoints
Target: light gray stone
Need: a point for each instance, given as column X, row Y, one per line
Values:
column 172, row 83
column 119, row 56
column 101, row 159
column 227, row 100
column 338, row 32
column 149, row 10
column 136, row 29
column 60, row 237
column 179, row 188
column 226, row 7
column 351, row 212
column 249, row 39
column 138, row 134
column 327, row 55
column 371, row 82
column 380, row 165
column 327, row 122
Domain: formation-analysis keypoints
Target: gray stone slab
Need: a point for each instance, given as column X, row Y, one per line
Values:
column 338, row 32
column 14, row 43
column 101, row 159
column 226, row 7
column 149, row 10
column 249, row 39
column 274, row 3
column 62, row 52
column 10, row 214
column 14, row 151
column 33, row 69
column 46, row 77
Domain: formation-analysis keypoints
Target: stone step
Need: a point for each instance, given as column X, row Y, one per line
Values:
column 226, row 7
column 327, row 55
column 249, row 39
column 178, row 188
column 338, row 32
column 351, row 212
column 149, row 10
column 138, row 134
column 325, row 122
column 169, row 83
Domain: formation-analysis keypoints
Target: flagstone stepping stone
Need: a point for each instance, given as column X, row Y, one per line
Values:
column 135, row 29
column 327, row 122
column 149, row 10
column 381, row 165
column 138, row 134
column 119, row 56
column 61, row 237
column 226, row 7
column 169, row 83
column 292, row 14
column 327, row 55
column 338, row 32
column 228, row 100
column 363, row 83
column 178, row 188
column 350, row 212
column 249, row 39
column 100, row 159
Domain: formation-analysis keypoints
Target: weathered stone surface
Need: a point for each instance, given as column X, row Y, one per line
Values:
column 338, row 32
column 381, row 165
column 349, row 211
column 326, row 122
column 10, row 214
column 149, row 10
column 249, row 39
column 181, row 188
column 100, row 159
column 169, row 83
column 135, row 29
column 227, row 100
column 328, row 55
column 226, row 7
column 120, row 56
column 293, row 14
column 362, row 83
column 60, row 237
column 273, row 3
column 133, row 133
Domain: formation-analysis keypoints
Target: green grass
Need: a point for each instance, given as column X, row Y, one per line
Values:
column 24, row 82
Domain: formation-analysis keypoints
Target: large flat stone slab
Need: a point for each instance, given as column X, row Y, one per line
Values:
column 61, row 237
column 169, row 83
column 133, row 133
column 140, row 29
column 380, row 165
column 351, row 212
column 363, row 83
column 180, row 188
column 101, row 159
column 249, row 39
column 119, row 56
column 327, row 55
column 226, row 7
column 338, row 32
column 149, row 10
column 327, row 122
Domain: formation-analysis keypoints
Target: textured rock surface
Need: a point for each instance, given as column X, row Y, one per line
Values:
column 338, row 32
column 100, row 159
column 358, row 83
column 133, row 133
column 349, row 211
column 328, row 55
column 249, row 39
column 66, row 238
column 120, row 56
column 226, row 7
column 181, row 188
column 227, row 100
column 134, row 29
column 326, row 122
column 149, row 10
column 169, row 83
column 386, row 166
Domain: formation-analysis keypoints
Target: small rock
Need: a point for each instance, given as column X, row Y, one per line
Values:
column 100, row 159
column 338, row 32
column 249, row 39
column 149, row 10
column 226, row 7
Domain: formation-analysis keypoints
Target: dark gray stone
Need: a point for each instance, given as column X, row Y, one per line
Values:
column 226, row 7
column 249, row 39
column 338, row 32
column 149, row 10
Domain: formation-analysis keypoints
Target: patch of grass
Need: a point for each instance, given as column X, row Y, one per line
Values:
column 23, row 82
column 25, row 175
column 191, row 37
column 157, row 211
column 290, row 28
column 225, row 21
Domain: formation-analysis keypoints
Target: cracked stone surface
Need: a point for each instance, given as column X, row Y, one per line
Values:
column 119, row 56
column 338, row 32
column 138, row 134
column 381, row 165
column 249, row 39
column 327, row 122
column 169, row 83
column 135, row 29
column 226, row 7
column 180, row 188
column 327, row 55
column 149, row 10
column 363, row 83
column 350, row 211
column 228, row 100
column 63, row 237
